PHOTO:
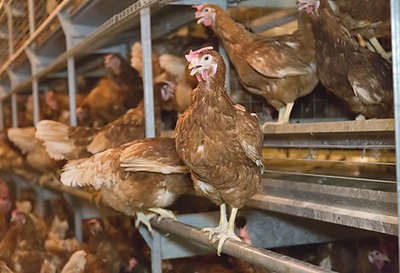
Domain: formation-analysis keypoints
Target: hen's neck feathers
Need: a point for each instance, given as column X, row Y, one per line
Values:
column 328, row 28
column 229, row 30
column 211, row 91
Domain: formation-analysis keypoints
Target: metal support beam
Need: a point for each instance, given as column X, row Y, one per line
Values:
column 36, row 105
column 77, row 216
column 14, row 111
column 156, row 260
column 10, row 30
column 31, row 16
column 145, row 30
column 73, row 35
column 1, row 115
column 72, row 91
column 224, row 4
column 395, row 22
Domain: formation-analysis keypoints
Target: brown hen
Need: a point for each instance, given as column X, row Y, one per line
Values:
column 36, row 154
column 21, row 248
column 12, row 160
column 113, row 95
column 361, row 78
column 281, row 69
column 66, row 142
column 176, row 72
column 140, row 175
column 370, row 18
column 220, row 142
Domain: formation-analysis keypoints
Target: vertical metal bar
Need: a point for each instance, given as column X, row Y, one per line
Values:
column 156, row 266
column 395, row 22
column 224, row 4
column 31, row 10
column 145, row 30
column 10, row 30
column 14, row 111
column 77, row 216
column 72, row 91
column 35, row 96
column 1, row 115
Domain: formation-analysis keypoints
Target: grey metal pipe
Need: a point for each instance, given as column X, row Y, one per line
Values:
column 14, row 111
column 10, row 30
column 35, row 97
column 395, row 22
column 1, row 115
column 156, row 261
column 258, row 256
column 145, row 31
column 72, row 91
column 31, row 10
column 222, row 51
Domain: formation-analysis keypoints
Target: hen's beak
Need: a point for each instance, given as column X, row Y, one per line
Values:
column 385, row 258
column 194, row 66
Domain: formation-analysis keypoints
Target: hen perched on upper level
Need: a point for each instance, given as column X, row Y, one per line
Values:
column 361, row 78
column 281, row 69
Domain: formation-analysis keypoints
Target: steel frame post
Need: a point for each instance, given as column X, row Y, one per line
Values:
column 395, row 24
column 145, row 30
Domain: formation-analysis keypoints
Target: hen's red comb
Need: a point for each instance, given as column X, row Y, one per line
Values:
column 198, row 7
column 195, row 54
column 93, row 221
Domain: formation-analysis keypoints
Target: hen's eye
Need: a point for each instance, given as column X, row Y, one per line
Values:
column 206, row 9
column 206, row 58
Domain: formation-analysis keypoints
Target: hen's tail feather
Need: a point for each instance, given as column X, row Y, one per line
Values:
column 96, row 171
column 22, row 138
column 55, row 137
column 144, row 165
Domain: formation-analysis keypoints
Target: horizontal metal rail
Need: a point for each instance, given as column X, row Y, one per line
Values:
column 264, row 258
column 267, row 259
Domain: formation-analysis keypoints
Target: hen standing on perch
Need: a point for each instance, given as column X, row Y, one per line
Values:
column 281, row 69
column 220, row 142
column 140, row 175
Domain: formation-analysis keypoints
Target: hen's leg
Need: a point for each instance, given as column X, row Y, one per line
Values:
column 378, row 47
column 229, row 233
column 145, row 219
column 286, row 116
column 223, row 223
column 163, row 213
column 281, row 114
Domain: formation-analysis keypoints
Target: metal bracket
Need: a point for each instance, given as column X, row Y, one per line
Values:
column 74, row 33
column 37, row 61
column 16, row 77
column 117, row 49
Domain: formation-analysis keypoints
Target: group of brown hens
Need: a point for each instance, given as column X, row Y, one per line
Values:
column 217, row 149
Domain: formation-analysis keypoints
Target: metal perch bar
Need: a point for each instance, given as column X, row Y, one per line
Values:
column 258, row 256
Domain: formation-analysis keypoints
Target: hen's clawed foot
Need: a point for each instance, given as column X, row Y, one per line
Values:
column 222, row 237
column 212, row 231
column 145, row 219
column 163, row 213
